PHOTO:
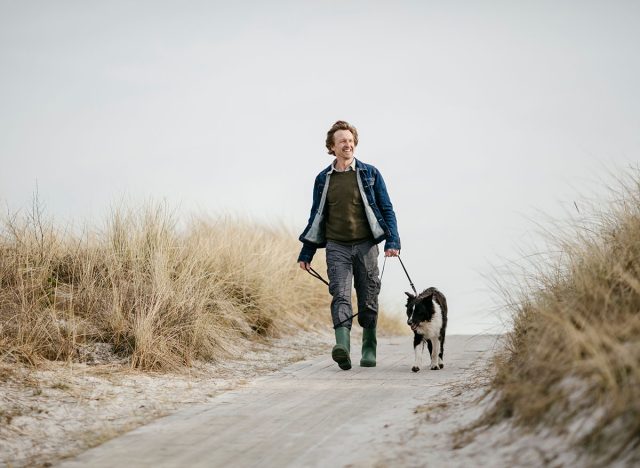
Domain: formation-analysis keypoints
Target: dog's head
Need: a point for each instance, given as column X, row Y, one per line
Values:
column 419, row 309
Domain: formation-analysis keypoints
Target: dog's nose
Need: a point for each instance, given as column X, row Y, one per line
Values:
column 409, row 322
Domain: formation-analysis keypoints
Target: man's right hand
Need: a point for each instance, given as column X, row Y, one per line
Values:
column 305, row 265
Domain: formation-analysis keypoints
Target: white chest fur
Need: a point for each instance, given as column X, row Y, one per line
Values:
column 432, row 328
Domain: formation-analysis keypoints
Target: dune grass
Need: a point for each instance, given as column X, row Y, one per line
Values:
column 572, row 360
column 163, row 296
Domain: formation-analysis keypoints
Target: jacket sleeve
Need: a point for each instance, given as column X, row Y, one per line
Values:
column 308, row 250
column 389, row 216
column 307, row 253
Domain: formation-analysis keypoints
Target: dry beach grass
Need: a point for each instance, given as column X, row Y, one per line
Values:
column 572, row 361
column 160, row 296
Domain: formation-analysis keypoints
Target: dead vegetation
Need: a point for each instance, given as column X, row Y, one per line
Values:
column 157, row 295
column 572, row 361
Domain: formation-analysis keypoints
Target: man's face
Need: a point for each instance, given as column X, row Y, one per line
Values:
column 343, row 144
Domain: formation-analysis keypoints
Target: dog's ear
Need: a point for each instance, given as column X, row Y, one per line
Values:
column 410, row 296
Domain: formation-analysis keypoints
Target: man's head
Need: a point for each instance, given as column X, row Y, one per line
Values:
column 342, row 139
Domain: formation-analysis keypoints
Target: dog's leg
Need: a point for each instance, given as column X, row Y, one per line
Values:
column 418, row 346
column 435, row 352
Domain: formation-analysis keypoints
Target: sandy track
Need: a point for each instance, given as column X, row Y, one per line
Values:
column 308, row 414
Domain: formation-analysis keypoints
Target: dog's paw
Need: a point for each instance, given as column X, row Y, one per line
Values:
column 441, row 365
column 435, row 367
column 415, row 368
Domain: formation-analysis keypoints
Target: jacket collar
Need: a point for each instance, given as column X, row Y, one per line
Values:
column 355, row 165
column 332, row 167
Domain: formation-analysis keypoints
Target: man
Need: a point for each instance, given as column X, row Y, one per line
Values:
column 351, row 213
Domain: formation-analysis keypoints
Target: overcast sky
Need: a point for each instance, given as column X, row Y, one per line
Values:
column 479, row 114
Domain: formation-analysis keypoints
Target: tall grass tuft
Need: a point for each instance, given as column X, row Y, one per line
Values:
column 163, row 296
column 572, row 361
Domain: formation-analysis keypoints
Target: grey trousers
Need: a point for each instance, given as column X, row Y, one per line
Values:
column 357, row 263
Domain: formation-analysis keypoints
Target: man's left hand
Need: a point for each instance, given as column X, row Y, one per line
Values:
column 391, row 253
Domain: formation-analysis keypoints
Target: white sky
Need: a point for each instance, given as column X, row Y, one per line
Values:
column 479, row 114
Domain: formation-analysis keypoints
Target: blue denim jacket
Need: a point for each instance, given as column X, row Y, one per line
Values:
column 378, row 210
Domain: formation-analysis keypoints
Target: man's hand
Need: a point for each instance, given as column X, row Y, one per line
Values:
column 391, row 253
column 305, row 265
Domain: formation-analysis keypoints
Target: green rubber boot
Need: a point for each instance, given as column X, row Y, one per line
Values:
column 341, row 350
column 369, row 343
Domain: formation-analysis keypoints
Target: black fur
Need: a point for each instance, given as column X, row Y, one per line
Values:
column 421, row 309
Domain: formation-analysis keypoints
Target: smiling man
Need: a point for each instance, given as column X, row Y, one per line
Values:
column 350, row 214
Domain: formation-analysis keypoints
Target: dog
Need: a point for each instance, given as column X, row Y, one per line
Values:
column 427, row 317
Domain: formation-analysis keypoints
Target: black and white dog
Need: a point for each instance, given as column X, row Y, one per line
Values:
column 427, row 317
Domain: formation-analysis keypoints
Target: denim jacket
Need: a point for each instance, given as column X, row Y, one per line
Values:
column 377, row 207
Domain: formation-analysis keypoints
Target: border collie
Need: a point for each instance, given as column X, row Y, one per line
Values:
column 427, row 317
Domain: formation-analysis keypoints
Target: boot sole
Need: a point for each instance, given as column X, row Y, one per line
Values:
column 367, row 363
column 341, row 356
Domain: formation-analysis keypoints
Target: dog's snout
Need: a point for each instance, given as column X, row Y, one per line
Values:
column 409, row 322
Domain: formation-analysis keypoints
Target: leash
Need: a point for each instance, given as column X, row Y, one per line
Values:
column 315, row 274
column 408, row 277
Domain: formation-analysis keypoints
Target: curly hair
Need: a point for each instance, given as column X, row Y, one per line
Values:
column 340, row 125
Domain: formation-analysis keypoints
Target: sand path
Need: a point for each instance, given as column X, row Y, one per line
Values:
column 308, row 414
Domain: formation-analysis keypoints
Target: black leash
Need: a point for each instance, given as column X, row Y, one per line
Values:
column 408, row 277
column 315, row 274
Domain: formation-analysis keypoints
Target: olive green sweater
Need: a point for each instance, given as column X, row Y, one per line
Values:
column 346, row 219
